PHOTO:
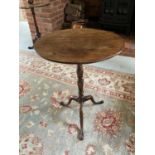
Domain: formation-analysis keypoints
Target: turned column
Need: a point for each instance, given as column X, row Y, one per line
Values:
column 80, row 82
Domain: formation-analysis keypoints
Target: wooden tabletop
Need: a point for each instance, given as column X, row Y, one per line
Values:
column 79, row 46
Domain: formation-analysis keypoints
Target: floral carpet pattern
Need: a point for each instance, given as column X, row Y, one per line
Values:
column 47, row 128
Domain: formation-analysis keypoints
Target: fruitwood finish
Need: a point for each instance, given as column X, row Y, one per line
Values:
column 79, row 46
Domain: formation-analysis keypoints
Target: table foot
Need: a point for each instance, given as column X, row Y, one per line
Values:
column 80, row 135
column 72, row 98
column 34, row 40
column 89, row 97
column 31, row 47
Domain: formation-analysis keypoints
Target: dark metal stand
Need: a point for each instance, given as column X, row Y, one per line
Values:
column 38, row 34
column 80, row 99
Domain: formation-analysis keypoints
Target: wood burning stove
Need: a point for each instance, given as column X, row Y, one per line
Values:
column 107, row 14
column 117, row 14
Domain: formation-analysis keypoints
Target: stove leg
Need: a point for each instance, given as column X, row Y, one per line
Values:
column 80, row 87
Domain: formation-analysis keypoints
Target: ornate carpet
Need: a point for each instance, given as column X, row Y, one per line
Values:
column 46, row 128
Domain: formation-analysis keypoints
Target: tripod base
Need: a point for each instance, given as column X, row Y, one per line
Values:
column 77, row 99
column 84, row 99
column 80, row 99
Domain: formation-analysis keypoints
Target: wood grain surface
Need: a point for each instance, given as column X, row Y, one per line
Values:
column 79, row 46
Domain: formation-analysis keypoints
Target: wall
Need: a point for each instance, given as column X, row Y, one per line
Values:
column 49, row 18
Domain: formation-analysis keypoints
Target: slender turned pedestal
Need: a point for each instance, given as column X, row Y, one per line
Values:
column 79, row 46
column 80, row 99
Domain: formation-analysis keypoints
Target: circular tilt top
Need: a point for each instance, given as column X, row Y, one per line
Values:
column 79, row 46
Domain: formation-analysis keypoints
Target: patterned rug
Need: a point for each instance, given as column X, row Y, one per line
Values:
column 46, row 128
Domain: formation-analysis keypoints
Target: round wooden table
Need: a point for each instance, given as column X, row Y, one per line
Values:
column 79, row 46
